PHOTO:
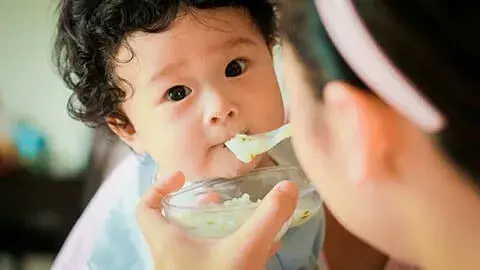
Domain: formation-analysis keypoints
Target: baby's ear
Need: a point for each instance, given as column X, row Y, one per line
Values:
column 126, row 132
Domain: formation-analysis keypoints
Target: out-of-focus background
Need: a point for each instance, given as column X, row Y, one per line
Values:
column 50, row 165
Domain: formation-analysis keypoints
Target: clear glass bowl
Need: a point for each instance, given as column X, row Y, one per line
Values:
column 217, row 208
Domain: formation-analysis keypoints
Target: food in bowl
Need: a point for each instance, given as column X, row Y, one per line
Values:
column 235, row 202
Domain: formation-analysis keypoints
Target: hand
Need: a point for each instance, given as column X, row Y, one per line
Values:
column 249, row 247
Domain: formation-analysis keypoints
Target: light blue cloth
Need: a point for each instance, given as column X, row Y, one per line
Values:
column 117, row 242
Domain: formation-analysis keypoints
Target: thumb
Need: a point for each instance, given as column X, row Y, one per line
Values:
column 161, row 188
column 259, row 232
column 149, row 209
column 153, row 224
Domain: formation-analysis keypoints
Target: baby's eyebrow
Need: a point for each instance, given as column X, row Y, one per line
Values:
column 228, row 44
column 167, row 69
column 238, row 41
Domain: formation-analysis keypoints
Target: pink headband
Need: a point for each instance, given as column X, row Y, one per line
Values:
column 367, row 60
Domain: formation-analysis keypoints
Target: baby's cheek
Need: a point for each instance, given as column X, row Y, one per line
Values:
column 194, row 163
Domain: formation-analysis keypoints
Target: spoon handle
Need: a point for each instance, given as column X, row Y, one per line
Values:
column 282, row 133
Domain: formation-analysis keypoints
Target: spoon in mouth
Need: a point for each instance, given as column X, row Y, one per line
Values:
column 247, row 147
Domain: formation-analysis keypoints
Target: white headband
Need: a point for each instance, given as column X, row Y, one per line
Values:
column 363, row 55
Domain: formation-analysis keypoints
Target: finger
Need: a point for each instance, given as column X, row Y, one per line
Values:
column 259, row 232
column 153, row 224
column 149, row 209
column 158, row 232
column 162, row 187
column 209, row 198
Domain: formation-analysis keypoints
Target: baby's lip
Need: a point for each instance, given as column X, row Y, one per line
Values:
column 222, row 144
column 243, row 131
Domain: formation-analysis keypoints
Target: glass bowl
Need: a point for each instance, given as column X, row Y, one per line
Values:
column 216, row 208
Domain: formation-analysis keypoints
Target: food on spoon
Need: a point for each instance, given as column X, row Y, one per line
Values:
column 246, row 147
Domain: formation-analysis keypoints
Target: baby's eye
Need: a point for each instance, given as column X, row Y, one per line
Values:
column 236, row 68
column 178, row 93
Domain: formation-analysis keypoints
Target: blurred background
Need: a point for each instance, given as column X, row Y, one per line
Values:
column 50, row 165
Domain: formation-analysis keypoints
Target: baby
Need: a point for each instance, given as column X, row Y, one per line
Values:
column 174, row 80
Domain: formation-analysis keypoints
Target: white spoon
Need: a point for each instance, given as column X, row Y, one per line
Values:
column 247, row 147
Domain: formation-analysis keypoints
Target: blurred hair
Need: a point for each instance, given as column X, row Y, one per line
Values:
column 434, row 43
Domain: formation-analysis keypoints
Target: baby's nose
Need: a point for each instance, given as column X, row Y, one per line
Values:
column 220, row 106
column 223, row 116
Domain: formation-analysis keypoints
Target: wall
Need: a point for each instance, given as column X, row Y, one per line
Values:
column 29, row 87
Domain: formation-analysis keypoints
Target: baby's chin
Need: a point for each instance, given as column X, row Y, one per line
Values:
column 241, row 168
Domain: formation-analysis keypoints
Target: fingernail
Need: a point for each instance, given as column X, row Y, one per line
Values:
column 288, row 188
column 160, row 179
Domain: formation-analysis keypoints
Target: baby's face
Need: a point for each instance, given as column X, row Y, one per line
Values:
column 194, row 87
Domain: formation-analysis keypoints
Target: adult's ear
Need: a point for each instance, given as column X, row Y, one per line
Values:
column 361, row 132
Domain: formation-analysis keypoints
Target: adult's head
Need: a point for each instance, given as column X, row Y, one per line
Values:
column 386, row 116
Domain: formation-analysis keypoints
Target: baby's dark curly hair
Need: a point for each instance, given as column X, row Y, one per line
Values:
column 89, row 34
